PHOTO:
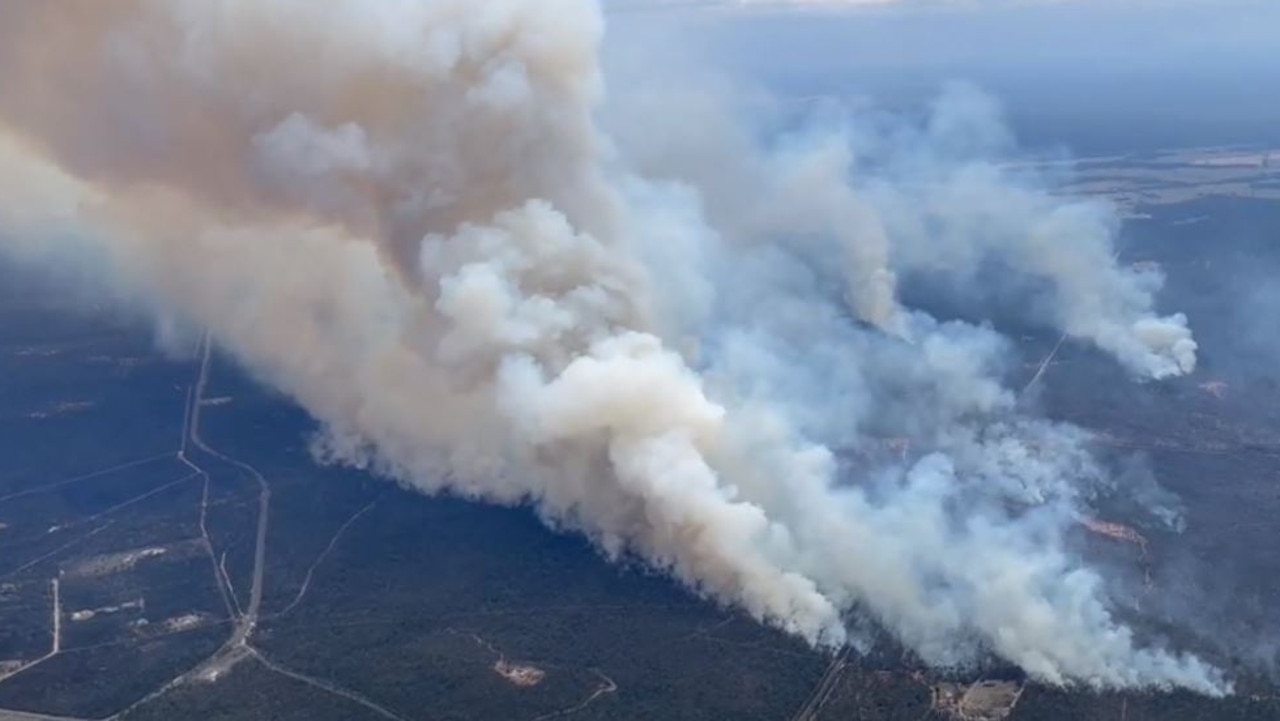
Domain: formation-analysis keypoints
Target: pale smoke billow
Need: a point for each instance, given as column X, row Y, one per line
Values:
column 410, row 217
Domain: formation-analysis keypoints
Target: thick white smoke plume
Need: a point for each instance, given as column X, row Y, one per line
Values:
column 684, row 343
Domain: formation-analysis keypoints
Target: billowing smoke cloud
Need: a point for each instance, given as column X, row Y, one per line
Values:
column 661, row 332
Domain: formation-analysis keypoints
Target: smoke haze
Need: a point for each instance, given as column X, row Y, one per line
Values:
column 485, row 270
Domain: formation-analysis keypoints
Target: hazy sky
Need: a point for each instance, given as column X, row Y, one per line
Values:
column 1201, row 63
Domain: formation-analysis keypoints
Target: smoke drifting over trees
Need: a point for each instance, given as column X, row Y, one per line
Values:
column 662, row 332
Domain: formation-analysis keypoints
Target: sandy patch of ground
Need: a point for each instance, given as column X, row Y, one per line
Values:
column 36, row 352
column 113, row 562
column 61, row 409
column 982, row 701
column 91, row 613
column 518, row 674
column 183, row 623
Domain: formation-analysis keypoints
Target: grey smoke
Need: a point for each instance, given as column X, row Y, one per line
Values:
column 683, row 341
